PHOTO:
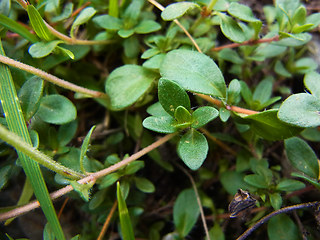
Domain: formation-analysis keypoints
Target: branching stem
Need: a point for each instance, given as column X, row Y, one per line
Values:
column 92, row 177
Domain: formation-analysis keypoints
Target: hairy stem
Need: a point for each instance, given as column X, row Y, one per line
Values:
column 20, row 145
column 50, row 78
column 92, row 177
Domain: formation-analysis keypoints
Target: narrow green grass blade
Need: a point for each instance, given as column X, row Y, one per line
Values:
column 17, row 28
column 16, row 124
column 125, row 221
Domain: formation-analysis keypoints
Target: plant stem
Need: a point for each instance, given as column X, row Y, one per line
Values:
column 230, row 108
column 51, row 78
column 249, row 42
column 160, row 7
column 282, row 210
column 107, row 221
column 211, row 5
column 92, row 177
column 20, row 145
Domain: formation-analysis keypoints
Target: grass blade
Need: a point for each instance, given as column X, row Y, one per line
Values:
column 16, row 124
column 125, row 222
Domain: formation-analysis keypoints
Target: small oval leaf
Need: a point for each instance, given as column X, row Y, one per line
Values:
column 193, row 149
column 56, row 109
column 302, row 157
column 301, row 110
column 171, row 96
column 38, row 24
column 193, row 71
column 176, row 10
column 127, row 84
column 203, row 115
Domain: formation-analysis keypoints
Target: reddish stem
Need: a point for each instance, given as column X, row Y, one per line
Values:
column 249, row 42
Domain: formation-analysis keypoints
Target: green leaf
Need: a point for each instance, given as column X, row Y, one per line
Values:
column 157, row 110
column 193, row 71
column 275, row 200
column 313, row 181
column 65, row 52
column 147, row 26
column 17, row 28
column 66, row 132
column 230, row 55
column 84, row 16
column 134, row 167
column 313, row 19
column 302, row 157
column 160, row 124
column 301, row 110
column 84, row 148
column 171, row 96
column 127, row 84
column 185, row 212
column 131, row 46
column 144, row 185
column 125, row 221
column 38, row 24
column 125, row 33
column 281, row 227
column 182, row 116
column 176, row 10
column 109, row 180
column 256, row 180
column 246, row 92
column 299, row 16
column 281, row 70
column 201, row 116
column 67, row 11
column 83, row 189
column 289, row 185
column 108, row 22
column 231, row 29
column 263, row 91
column 232, row 181
column 216, row 232
column 267, row 125
column 29, row 96
column 56, row 109
column 193, row 149
column 233, row 92
column 224, row 114
column 17, row 124
column 242, row 12
column 42, row 49
column 312, row 82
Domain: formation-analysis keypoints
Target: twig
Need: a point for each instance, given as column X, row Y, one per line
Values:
column 230, row 108
column 203, row 218
column 249, row 42
column 62, row 207
column 106, row 223
column 176, row 21
column 92, row 177
column 51, row 78
column 282, row 210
